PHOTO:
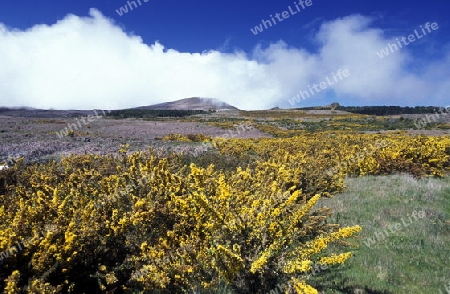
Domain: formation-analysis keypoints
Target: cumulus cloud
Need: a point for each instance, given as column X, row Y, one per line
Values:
column 91, row 62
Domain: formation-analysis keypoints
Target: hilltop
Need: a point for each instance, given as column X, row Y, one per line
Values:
column 194, row 103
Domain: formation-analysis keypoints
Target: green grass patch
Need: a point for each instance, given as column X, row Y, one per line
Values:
column 406, row 254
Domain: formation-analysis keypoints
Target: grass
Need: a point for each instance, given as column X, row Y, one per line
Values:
column 413, row 257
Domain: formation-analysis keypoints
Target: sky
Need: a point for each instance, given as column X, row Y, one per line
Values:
column 65, row 54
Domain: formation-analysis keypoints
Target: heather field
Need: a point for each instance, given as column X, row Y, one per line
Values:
column 45, row 137
column 40, row 138
column 225, row 202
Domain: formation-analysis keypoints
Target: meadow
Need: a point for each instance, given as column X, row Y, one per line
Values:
column 295, row 202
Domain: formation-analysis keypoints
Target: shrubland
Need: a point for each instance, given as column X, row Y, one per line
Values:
column 145, row 222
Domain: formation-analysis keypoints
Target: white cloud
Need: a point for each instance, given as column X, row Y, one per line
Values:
column 90, row 62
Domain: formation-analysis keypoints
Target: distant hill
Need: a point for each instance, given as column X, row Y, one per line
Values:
column 178, row 108
column 194, row 103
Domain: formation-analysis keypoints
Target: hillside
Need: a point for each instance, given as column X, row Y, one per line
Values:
column 194, row 103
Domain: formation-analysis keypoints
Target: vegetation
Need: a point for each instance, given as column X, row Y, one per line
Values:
column 412, row 259
column 187, row 138
column 389, row 110
column 154, row 113
column 142, row 222
column 285, row 128
column 379, row 110
column 136, row 221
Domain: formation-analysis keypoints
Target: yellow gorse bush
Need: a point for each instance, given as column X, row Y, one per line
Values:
column 187, row 138
column 140, row 222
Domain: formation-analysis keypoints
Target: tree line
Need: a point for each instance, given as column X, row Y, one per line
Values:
column 377, row 110
column 152, row 113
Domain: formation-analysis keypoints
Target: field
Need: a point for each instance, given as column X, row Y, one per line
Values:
column 225, row 202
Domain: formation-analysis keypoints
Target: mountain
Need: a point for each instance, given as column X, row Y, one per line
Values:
column 194, row 103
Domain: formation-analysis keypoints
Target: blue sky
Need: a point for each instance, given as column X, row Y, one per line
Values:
column 83, row 54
